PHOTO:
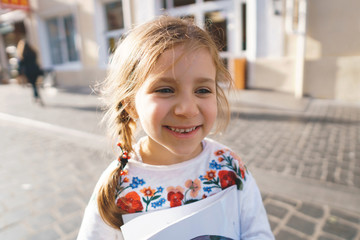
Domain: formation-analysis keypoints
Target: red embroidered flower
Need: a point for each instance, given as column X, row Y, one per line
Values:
column 210, row 174
column 148, row 192
column 219, row 152
column 126, row 179
column 175, row 196
column 227, row 178
column 130, row 203
column 220, row 159
column 123, row 172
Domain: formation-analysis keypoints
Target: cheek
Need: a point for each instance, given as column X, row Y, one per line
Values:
column 149, row 111
column 213, row 109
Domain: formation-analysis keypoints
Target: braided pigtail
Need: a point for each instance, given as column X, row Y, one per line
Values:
column 126, row 125
column 110, row 190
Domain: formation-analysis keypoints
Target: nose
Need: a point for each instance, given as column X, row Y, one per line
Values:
column 186, row 106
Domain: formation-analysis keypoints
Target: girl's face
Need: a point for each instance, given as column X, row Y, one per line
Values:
column 177, row 106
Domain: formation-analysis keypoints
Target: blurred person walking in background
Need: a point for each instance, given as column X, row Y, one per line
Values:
column 29, row 67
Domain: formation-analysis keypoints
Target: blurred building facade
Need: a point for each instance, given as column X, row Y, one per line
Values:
column 298, row 46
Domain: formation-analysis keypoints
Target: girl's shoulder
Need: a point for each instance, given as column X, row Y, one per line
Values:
column 227, row 165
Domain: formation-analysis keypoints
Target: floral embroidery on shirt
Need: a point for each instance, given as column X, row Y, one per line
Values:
column 151, row 195
column 175, row 196
column 134, row 184
column 225, row 169
column 215, row 165
column 193, row 187
column 158, row 203
column 225, row 178
column 130, row 203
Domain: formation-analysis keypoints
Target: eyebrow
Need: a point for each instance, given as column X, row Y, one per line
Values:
column 170, row 80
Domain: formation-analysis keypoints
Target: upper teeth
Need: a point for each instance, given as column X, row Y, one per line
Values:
column 181, row 130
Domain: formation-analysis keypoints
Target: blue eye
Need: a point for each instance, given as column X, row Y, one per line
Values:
column 203, row 91
column 164, row 90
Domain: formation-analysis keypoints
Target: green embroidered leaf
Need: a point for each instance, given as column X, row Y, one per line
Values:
column 241, row 186
column 217, row 181
column 238, row 183
column 208, row 182
column 155, row 197
column 144, row 200
column 191, row 201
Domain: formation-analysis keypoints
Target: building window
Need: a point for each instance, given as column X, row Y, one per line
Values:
column 114, row 23
column 243, row 28
column 178, row 3
column 61, row 34
column 114, row 15
column 215, row 23
column 210, row 14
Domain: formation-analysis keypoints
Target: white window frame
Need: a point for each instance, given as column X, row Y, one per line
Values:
column 101, row 28
column 44, row 40
column 232, row 10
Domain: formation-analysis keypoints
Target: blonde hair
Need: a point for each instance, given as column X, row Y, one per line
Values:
column 134, row 58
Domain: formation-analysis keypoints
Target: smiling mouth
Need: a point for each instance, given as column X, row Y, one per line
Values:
column 182, row 130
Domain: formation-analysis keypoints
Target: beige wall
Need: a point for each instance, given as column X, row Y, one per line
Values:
column 89, row 72
column 332, row 62
column 85, row 78
column 274, row 74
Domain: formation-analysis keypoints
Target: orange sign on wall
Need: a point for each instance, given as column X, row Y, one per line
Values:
column 15, row 4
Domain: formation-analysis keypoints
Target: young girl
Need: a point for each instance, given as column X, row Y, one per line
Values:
column 166, row 76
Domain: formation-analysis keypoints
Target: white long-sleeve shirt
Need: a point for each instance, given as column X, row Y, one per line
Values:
column 144, row 188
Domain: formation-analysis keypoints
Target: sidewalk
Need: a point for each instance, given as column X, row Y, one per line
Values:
column 304, row 154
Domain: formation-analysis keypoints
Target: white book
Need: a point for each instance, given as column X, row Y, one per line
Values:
column 217, row 215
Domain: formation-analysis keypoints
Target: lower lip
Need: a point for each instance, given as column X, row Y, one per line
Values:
column 183, row 135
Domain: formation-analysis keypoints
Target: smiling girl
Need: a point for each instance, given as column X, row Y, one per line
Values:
column 166, row 76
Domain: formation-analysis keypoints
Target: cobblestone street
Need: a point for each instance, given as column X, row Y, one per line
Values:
column 305, row 158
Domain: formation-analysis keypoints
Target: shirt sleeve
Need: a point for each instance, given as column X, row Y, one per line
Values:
column 93, row 226
column 254, row 223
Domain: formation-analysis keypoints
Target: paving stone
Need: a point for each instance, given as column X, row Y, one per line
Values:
column 325, row 238
column 12, row 217
column 275, row 210
column 346, row 216
column 14, row 232
column 311, row 210
column 286, row 235
column 273, row 224
column 44, row 235
column 39, row 221
column 285, row 200
column 333, row 226
column 301, row 225
column 71, row 224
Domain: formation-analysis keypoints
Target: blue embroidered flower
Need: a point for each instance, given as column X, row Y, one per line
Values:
column 133, row 185
column 158, row 203
column 136, row 182
column 202, row 178
column 160, row 189
column 207, row 189
column 214, row 165
column 141, row 182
